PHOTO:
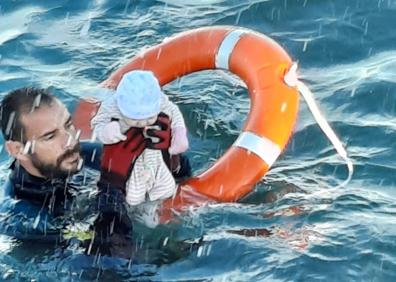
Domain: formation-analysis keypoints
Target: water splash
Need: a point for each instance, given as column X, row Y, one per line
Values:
column 85, row 28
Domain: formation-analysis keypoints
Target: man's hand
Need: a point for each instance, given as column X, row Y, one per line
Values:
column 119, row 159
column 163, row 134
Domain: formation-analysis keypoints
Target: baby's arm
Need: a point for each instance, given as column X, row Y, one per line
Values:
column 179, row 143
column 106, row 130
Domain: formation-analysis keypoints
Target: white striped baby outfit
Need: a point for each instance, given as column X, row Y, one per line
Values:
column 150, row 178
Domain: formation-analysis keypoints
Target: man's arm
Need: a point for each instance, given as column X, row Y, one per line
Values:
column 113, row 224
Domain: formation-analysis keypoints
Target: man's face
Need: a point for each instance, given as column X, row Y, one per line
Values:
column 55, row 151
column 140, row 122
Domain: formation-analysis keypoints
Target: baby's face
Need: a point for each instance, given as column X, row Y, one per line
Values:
column 140, row 122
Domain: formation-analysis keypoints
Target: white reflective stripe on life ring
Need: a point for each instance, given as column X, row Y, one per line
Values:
column 226, row 48
column 267, row 150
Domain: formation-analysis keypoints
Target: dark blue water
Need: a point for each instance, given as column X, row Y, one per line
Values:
column 346, row 53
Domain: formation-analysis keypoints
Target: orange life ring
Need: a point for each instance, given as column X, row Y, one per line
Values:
column 261, row 63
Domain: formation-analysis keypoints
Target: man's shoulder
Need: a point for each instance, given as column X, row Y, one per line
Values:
column 91, row 153
column 9, row 202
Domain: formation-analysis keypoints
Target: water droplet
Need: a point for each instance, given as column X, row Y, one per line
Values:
column 283, row 107
column 33, row 146
column 66, row 18
column 78, row 134
column 353, row 92
column 93, row 155
column 36, row 103
column 80, row 163
column 126, row 7
column 93, row 137
column 85, row 28
column 238, row 17
column 159, row 53
column 27, row 147
column 69, row 140
column 305, row 46
column 10, row 123
column 36, row 221
column 200, row 250
column 221, row 190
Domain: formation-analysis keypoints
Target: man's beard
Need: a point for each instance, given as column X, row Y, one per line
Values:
column 55, row 171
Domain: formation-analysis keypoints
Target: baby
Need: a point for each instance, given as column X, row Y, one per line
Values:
column 137, row 102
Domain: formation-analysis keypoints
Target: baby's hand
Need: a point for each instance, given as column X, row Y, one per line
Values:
column 111, row 133
column 179, row 143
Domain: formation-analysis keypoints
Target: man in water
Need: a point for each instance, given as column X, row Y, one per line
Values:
column 41, row 189
column 39, row 134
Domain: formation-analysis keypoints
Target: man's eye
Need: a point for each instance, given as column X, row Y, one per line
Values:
column 49, row 137
column 70, row 125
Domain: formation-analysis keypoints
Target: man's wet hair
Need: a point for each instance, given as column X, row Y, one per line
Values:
column 17, row 103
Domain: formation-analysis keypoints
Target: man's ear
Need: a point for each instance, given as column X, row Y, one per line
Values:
column 17, row 150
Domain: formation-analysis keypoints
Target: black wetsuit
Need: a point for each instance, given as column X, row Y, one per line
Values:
column 33, row 208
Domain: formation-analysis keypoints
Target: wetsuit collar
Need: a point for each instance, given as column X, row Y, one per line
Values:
column 51, row 193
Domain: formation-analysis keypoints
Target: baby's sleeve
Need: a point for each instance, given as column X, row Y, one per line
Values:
column 105, row 113
column 173, row 111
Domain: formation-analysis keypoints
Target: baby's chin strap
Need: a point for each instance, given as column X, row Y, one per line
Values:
column 292, row 80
